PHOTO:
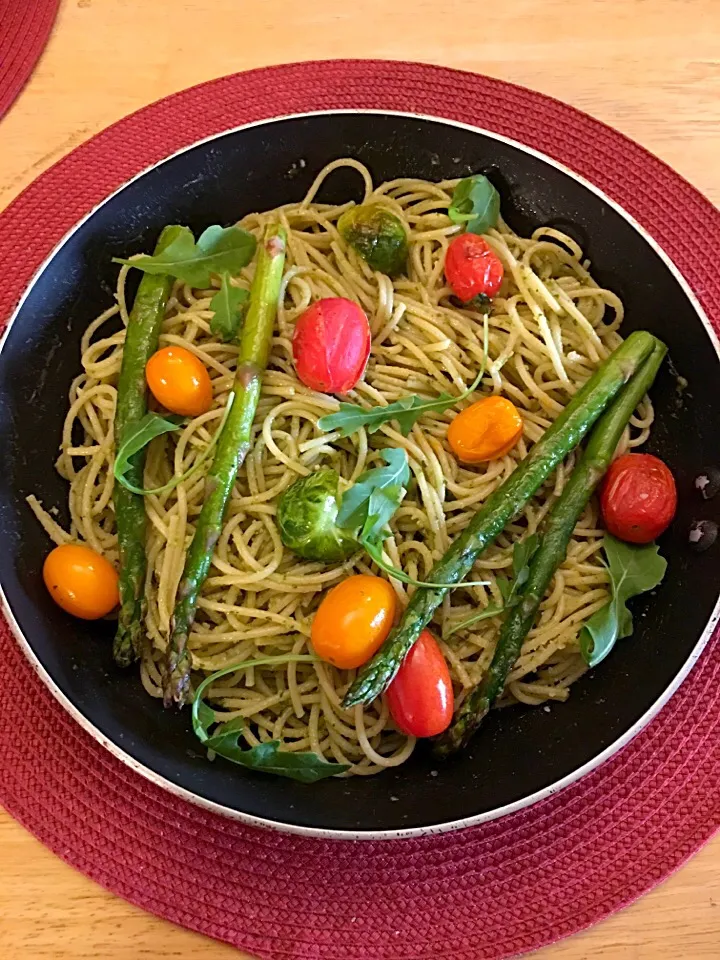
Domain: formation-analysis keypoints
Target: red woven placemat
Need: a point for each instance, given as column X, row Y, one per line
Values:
column 482, row 894
column 25, row 26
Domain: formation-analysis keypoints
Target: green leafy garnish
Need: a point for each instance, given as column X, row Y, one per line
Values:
column 318, row 525
column 392, row 480
column 475, row 203
column 351, row 417
column 369, row 505
column 227, row 306
column 267, row 757
column 138, row 436
column 315, row 526
column 374, row 551
column 633, row 570
column 523, row 552
column 218, row 250
column 510, row 589
column 153, row 425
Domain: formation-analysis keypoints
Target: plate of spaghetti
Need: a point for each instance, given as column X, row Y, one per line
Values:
column 368, row 475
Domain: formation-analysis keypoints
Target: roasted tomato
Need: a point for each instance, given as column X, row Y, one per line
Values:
column 472, row 267
column 638, row 498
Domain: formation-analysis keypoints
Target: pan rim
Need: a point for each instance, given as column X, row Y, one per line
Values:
column 431, row 829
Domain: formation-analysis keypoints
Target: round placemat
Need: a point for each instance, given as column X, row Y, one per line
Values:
column 486, row 893
column 25, row 26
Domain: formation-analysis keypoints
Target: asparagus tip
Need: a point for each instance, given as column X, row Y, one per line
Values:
column 125, row 651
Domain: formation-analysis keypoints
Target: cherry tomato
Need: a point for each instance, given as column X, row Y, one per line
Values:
column 81, row 581
column 331, row 345
column 179, row 381
column 638, row 498
column 353, row 620
column 472, row 267
column 420, row 697
column 485, row 430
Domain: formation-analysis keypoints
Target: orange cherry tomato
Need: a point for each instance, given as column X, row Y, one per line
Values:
column 179, row 381
column 421, row 697
column 486, row 430
column 81, row 581
column 353, row 620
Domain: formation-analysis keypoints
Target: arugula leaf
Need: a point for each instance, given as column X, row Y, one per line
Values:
column 382, row 504
column 374, row 551
column 505, row 587
column 492, row 610
column 227, row 309
column 218, row 250
column 476, row 203
column 633, row 570
column 523, row 552
column 138, row 436
column 143, row 434
column 393, row 480
column 351, row 417
column 367, row 507
column 510, row 589
column 306, row 767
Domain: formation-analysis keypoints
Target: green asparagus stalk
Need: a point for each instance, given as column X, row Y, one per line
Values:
column 141, row 341
column 503, row 505
column 232, row 448
column 558, row 529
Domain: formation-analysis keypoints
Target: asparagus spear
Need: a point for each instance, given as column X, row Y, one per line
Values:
column 141, row 341
column 232, row 448
column 503, row 505
column 559, row 526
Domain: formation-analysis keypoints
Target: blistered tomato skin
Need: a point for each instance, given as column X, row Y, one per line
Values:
column 472, row 267
column 638, row 498
column 331, row 345
column 81, row 581
column 353, row 620
column 421, row 697
column 179, row 381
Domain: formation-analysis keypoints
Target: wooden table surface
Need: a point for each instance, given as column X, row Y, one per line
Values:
column 651, row 68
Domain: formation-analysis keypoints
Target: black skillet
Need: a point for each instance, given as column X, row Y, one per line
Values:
column 521, row 754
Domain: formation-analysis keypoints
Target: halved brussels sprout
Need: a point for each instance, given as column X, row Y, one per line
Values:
column 377, row 235
column 306, row 517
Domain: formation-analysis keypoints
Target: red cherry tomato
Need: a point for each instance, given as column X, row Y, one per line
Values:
column 472, row 267
column 421, row 697
column 638, row 498
column 331, row 345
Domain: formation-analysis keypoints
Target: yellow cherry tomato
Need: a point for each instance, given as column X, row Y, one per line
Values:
column 485, row 430
column 179, row 381
column 81, row 581
column 353, row 620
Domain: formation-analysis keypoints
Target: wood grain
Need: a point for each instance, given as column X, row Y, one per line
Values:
column 651, row 68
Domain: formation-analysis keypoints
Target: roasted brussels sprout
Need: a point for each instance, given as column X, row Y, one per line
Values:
column 377, row 235
column 306, row 516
